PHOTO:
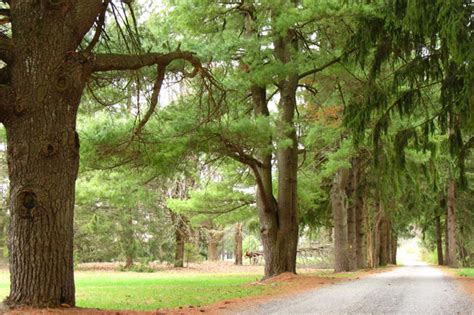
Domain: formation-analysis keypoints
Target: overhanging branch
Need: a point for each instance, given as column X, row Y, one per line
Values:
column 111, row 62
column 154, row 99
column 99, row 27
column 83, row 16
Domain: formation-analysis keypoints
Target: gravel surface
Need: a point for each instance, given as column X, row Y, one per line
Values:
column 404, row 290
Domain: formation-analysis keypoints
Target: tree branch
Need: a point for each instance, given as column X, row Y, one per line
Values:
column 111, row 62
column 99, row 27
column 6, row 48
column 7, row 102
column 154, row 99
column 324, row 66
column 83, row 17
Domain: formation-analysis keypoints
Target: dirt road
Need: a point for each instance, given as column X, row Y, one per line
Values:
column 405, row 290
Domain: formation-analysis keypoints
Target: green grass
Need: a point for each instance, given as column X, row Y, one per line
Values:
column 466, row 272
column 149, row 291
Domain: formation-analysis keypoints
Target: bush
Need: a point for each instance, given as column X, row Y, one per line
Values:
column 138, row 268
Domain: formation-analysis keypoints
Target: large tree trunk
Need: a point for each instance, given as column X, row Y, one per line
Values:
column 439, row 240
column 361, row 227
column 279, row 232
column 384, row 241
column 451, row 223
column 278, row 219
column 339, row 210
column 238, row 244
column 287, row 178
column 43, row 156
column 394, row 248
column 40, row 92
column 377, row 233
column 351, row 214
column 446, row 240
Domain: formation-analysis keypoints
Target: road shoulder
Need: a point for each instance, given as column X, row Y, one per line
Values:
column 467, row 283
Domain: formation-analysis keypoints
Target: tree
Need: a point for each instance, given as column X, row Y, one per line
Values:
column 39, row 100
column 269, row 64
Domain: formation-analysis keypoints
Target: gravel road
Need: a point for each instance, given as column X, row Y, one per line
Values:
column 405, row 290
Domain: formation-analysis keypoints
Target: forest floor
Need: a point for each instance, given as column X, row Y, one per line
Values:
column 211, row 288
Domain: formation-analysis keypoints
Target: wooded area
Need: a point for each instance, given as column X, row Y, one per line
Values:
column 297, row 131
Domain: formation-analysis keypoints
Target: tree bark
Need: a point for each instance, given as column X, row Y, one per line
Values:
column 43, row 151
column 377, row 233
column 446, row 240
column 351, row 214
column 394, row 248
column 439, row 240
column 280, row 255
column 384, row 241
column 179, row 255
column 339, row 210
column 278, row 219
column 214, row 238
column 238, row 244
column 212, row 254
column 361, row 227
column 451, row 224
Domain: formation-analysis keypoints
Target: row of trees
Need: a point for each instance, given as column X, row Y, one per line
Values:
column 290, row 116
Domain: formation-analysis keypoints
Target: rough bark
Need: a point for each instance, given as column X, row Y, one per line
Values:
column 238, row 244
column 384, row 232
column 377, row 234
column 278, row 219
column 287, row 155
column 339, row 210
column 351, row 214
column 279, row 229
column 361, row 228
column 439, row 240
column 43, row 151
column 451, row 224
column 45, row 77
column 393, row 248
column 446, row 240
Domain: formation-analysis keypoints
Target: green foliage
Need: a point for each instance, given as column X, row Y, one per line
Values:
column 191, row 253
column 466, row 272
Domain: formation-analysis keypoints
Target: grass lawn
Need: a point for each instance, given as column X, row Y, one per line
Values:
column 466, row 272
column 148, row 291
